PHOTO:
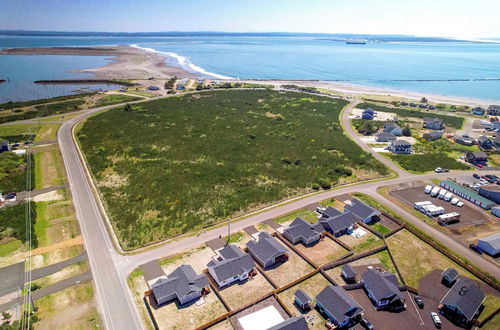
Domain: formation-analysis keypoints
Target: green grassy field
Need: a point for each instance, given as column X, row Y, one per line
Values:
column 114, row 99
column 182, row 163
column 427, row 162
column 13, row 225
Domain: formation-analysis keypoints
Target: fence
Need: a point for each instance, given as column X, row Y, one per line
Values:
column 354, row 258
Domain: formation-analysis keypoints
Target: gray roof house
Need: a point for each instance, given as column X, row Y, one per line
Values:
column 231, row 265
column 462, row 302
column 301, row 231
column 385, row 137
column 293, row 323
column 382, row 289
column 433, row 123
column 4, row 146
column 302, row 299
column 330, row 212
column 400, row 147
column 182, row 284
column 338, row 306
column 363, row 211
column 393, row 128
column 340, row 224
column 478, row 111
column 348, row 273
column 485, row 142
column 434, row 135
column 464, row 139
column 448, row 276
column 494, row 110
column 266, row 249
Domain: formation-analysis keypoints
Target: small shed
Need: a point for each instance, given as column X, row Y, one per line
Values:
column 449, row 276
column 431, row 136
column 4, row 146
column 348, row 273
column 302, row 299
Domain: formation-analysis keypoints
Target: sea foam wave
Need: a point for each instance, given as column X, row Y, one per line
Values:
column 184, row 62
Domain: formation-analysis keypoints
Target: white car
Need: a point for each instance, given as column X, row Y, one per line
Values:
column 454, row 201
column 438, row 170
column 460, row 204
column 436, row 319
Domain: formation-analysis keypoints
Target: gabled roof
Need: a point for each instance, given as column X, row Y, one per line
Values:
column 401, row 143
column 360, row 209
column 338, row 303
column 434, row 134
column 331, row 212
column 235, row 262
column 385, row 135
column 300, row 228
column 4, row 143
column 493, row 240
column 382, row 285
column 266, row 247
column 450, row 273
column 482, row 139
column 466, row 296
column 369, row 110
column 302, row 296
column 478, row 154
column 180, row 283
column 340, row 222
column 391, row 126
column 432, row 120
column 293, row 323
column 348, row 270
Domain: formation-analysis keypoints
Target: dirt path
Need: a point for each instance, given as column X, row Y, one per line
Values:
column 61, row 245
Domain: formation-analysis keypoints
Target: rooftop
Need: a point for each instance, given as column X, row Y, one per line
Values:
column 180, row 283
column 468, row 192
column 338, row 303
column 340, row 222
column 348, row 270
column 300, row 228
column 493, row 240
column 302, row 296
column 450, row 273
column 266, row 247
column 293, row 323
column 466, row 296
column 360, row 209
column 235, row 262
column 382, row 284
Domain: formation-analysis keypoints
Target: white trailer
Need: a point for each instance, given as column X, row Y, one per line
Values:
column 454, row 201
column 428, row 189
column 434, row 210
column 420, row 205
column 442, row 193
column 435, row 191
column 448, row 218
column 448, row 196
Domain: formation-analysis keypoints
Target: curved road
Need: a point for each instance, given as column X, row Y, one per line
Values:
column 110, row 269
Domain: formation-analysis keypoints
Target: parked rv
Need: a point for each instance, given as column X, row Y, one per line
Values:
column 428, row 189
column 448, row 196
column 442, row 193
column 435, row 191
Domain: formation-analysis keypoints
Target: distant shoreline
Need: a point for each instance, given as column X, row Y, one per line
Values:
column 127, row 62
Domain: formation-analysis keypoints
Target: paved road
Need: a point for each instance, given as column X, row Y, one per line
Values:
column 23, row 194
column 353, row 135
column 51, row 269
column 110, row 269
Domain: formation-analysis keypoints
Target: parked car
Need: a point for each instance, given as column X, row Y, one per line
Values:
column 475, row 248
column 436, row 319
column 438, row 170
column 366, row 324
column 476, row 176
column 419, row 301
column 479, row 165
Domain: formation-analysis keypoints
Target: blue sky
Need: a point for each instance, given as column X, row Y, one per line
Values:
column 449, row 18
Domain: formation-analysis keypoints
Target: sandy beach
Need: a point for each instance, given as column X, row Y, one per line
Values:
column 125, row 62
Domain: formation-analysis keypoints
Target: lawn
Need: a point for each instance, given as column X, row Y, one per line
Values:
column 13, row 169
column 449, row 121
column 427, row 162
column 188, row 162
column 415, row 258
column 22, row 132
column 13, row 225
column 115, row 98
column 380, row 228
column 49, row 169
column 41, row 110
column 323, row 252
column 362, row 244
column 305, row 214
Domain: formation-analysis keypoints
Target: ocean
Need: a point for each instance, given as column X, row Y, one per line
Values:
column 463, row 69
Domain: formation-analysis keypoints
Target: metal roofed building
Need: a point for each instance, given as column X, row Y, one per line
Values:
column 490, row 244
column 231, row 265
column 449, row 276
column 302, row 299
column 490, row 191
column 385, row 137
column 462, row 302
column 467, row 194
column 338, row 306
column 182, row 284
column 266, row 249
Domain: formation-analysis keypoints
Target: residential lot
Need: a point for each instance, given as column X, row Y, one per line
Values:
column 312, row 286
column 241, row 293
column 294, row 268
column 271, row 301
column 415, row 258
column 224, row 325
column 469, row 215
column 366, row 242
column 323, row 252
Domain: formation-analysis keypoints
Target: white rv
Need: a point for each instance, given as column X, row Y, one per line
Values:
column 435, row 191
column 442, row 193
column 428, row 189
column 448, row 196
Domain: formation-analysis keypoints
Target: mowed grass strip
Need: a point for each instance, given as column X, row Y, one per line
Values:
column 174, row 165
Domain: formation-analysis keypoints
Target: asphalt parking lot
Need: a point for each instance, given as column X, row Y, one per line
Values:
column 469, row 215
